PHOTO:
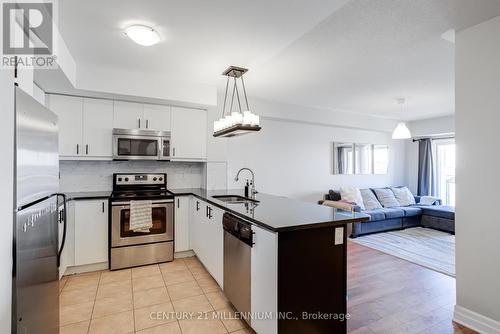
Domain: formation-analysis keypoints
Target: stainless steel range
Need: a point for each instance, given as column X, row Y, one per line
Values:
column 131, row 247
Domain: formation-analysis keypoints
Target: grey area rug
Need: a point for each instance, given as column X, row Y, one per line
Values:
column 426, row 247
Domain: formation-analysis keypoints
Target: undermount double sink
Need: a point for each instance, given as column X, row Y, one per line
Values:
column 234, row 199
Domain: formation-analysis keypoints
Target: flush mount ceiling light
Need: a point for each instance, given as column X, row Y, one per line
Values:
column 143, row 35
column 401, row 131
column 240, row 122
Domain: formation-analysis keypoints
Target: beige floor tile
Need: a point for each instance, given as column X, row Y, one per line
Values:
column 77, row 328
column 148, row 297
column 116, row 276
column 208, row 285
column 210, row 325
column 154, row 315
column 111, row 305
column 119, row 323
column 179, row 276
column 192, row 304
column 145, row 283
column 71, row 314
column 184, row 290
column 62, row 283
column 114, row 289
column 230, row 320
column 243, row 331
column 78, row 283
column 200, row 273
column 170, row 328
column 175, row 265
column 79, row 296
column 146, row 271
column 218, row 300
column 192, row 261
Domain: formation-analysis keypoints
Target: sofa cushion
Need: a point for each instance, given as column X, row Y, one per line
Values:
column 334, row 195
column 370, row 200
column 352, row 194
column 386, row 197
column 411, row 211
column 375, row 215
column 441, row 211
column 403, row 196
column 391, row 213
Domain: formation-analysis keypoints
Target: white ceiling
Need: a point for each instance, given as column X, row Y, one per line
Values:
column 357, row 55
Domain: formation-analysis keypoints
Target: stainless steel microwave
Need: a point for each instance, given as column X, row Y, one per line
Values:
column 136, row 144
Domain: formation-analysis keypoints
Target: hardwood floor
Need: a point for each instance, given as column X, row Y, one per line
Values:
column 389, row 295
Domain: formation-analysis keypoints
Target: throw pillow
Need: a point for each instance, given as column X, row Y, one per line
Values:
column 334, row 195
column 369, row 200
column 386, row 197
column 352, row 194
column 403, row 196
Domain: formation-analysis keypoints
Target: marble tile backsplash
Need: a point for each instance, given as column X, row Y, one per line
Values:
column 97, row 175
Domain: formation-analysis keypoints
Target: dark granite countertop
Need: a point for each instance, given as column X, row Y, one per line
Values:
column 275, row 213
column 81, row 195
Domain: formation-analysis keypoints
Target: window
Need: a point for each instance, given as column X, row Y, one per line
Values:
column 444, row 157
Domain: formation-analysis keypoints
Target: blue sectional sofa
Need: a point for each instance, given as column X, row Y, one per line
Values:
column 385, row 219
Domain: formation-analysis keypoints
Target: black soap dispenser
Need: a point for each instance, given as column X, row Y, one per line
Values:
column 247, row 187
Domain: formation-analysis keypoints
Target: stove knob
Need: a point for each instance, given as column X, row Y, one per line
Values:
column 154, row 178
column 161, row 179
column 126, row 179
column 119, row 179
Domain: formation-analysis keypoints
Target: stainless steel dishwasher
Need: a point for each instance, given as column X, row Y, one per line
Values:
column 238, row 242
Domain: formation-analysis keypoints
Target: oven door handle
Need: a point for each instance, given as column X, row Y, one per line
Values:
column 153, row 202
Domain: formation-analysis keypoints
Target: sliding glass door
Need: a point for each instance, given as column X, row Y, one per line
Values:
column 444, row 152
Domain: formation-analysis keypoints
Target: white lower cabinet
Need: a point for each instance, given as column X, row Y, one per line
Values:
column 182, row 214
column 91, row 231
column 264, row 280
column 206, row 237
column 68, row 251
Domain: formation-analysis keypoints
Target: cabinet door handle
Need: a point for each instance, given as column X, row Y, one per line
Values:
column 178, row 204
column 206, row 212
column 173, row 151
column 102, row 207
column 147, row 124
column 77, row 149
column 139, row 122
column 87, row 149
column 209, row 213
column 197, row 206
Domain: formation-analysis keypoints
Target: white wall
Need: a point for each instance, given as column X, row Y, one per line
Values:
column 6, row 195
column 423, row 128
column 478, row 166
column 98, row 175
column 293, row 158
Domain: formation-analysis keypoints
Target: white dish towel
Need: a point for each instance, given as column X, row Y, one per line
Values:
column 141, row 216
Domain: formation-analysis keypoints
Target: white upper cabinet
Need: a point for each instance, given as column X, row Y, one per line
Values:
column 97, row 127
column 70, row 112
column 189, row 132
column 157, row 117
column 128, row 115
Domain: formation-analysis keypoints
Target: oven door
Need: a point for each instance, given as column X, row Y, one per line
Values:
column 162, row 230
column 130, row 147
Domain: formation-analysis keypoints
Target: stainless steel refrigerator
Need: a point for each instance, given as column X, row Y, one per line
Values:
column 35, row 295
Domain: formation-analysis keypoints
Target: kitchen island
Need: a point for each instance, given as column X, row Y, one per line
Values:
column 298, row 258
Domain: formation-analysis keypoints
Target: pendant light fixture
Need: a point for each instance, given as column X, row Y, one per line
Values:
column 240, row 122
column 401, row 131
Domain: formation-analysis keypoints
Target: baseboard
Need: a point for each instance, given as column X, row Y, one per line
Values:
column 476, row 321
column 180, row 255
column 86, row 268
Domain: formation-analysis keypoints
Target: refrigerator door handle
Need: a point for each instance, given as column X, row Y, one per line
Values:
column 64, row 218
